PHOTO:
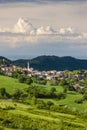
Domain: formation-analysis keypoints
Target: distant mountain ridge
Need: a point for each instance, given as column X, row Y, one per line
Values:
column 51, row 63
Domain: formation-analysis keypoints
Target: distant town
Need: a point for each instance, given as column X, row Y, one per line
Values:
column 78, row 75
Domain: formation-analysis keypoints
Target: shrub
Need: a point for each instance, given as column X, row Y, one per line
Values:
column 49, row 104
column 85, row 96
column 41, row 104
column 79, row 101
column 61, row 95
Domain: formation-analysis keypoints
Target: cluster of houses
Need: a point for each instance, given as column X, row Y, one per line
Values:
column 49, row 75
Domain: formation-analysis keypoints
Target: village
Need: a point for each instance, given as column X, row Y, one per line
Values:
column 50, row 75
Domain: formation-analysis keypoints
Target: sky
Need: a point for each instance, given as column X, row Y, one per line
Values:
column 43, row 27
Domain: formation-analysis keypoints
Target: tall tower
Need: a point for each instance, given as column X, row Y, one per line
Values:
column 28, row 66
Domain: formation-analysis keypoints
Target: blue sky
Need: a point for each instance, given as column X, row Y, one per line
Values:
column 29, row 29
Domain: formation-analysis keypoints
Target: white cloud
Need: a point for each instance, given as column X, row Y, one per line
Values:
column 45, row 31
column 68, row 30
column 23, row 31
column 23, row 26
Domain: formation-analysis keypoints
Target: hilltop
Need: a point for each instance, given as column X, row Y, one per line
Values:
column 2, row 57
column 51, row 63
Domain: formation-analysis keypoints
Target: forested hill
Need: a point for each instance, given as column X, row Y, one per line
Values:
column 53, row 63
column 1, row 58
column 4, row 59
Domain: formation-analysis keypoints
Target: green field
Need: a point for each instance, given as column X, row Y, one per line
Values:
column 69, row 101
column 53, row 118
column 48, row 87
column 11, row 84
column 21, row 116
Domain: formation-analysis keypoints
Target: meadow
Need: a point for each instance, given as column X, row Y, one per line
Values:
column 16, row 115
column 11, row 84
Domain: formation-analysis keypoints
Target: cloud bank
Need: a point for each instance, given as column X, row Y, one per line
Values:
column 24, row 31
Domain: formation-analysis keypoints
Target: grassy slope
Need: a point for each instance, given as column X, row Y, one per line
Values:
column 69, row 100
column 27, row 110
column 48, row 87
column 11, row 84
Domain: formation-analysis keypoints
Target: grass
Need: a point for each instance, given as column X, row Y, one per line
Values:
column 11, row 84
column 31, row 111
column 69, row 100
column 48, row 87
column 36, row 114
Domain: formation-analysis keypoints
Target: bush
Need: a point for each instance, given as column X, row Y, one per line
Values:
column 61, row 95
column 85, row 96
column 41, row 104
column 22, row 79
column 4, row 94
column 49, row 104
column 79, row 101
column 29, row 80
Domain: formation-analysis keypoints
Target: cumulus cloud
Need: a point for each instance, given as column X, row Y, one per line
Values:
column 24, row 31
column 23, row 26
column 45, row 31
column 66, row 31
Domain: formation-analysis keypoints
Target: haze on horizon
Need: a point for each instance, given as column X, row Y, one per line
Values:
column 31, row 28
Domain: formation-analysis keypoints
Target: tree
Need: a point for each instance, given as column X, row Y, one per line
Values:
column 53, row 90
column 16, row 74
column 63, row 82
column 29, row 80
column 52, row 93
column 3, row 92
column 49, row 104
column 61, row 95
column 17, row 94
column 22, row 79
column 65, row 89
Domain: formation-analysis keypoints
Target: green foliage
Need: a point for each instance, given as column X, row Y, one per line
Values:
column 61, row 95
column 65, row 89
column 35, row 119
column 49, row 104
column 85, row 96
column 41, row 104
column 63, row 82
column 2, row 91
column 46, row 107
column 29, row 80
column 17, row 94
column 4, row 94
column 53, row 90
column 22, row 79
column 79, row 101
column 16, row 74
column 54, row 63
